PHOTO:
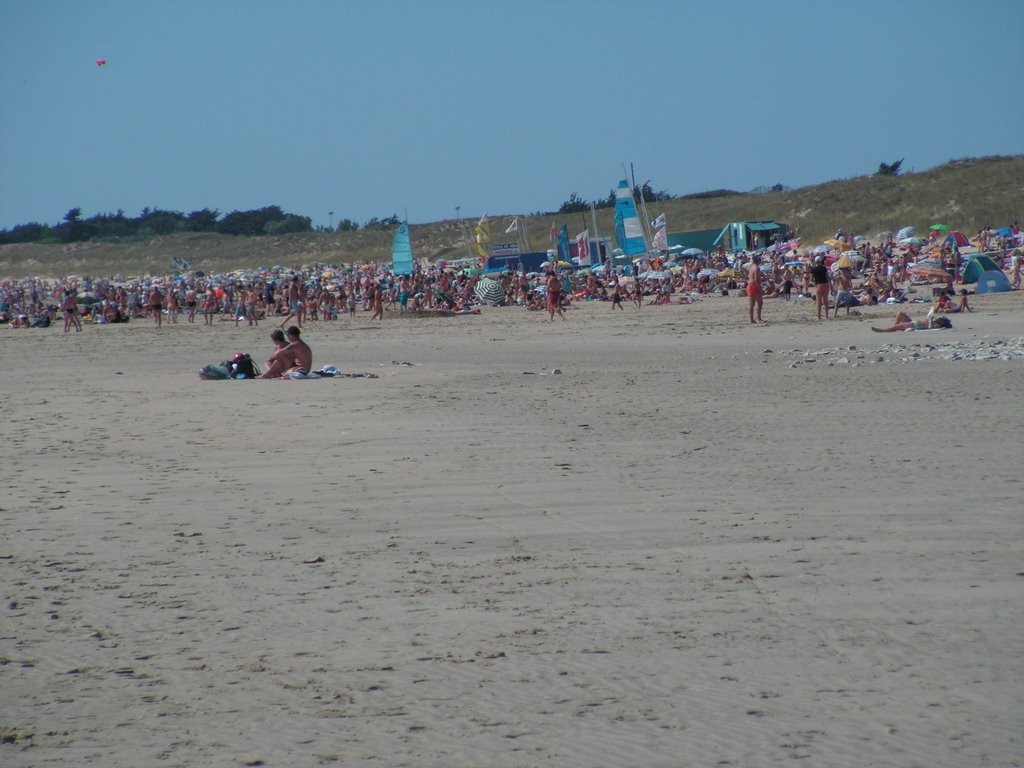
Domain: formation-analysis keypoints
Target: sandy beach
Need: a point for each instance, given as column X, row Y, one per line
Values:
column 696, row 543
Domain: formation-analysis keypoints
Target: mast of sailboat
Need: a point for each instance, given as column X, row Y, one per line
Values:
column 464, row 233
column 524, row 236
column 412, row 254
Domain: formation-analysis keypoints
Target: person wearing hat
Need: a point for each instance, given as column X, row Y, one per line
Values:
column 822, row 285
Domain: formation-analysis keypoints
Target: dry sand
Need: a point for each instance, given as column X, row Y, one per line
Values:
column 684, row 549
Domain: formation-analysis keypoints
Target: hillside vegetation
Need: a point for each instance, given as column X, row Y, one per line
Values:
column 964, row 194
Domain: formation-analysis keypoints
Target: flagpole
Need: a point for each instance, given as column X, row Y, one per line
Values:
column 462, row 231
column 596, row 239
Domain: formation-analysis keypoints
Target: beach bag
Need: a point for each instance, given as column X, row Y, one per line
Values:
column 242, row 367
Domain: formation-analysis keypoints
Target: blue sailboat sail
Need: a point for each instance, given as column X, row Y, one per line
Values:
column 628, row 230
column 401, row 251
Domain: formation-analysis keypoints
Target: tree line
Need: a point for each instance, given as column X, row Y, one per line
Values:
column 153, row 222
column 272, row 220
column 643, row 192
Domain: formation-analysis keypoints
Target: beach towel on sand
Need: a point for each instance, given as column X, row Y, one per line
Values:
column 327, row 372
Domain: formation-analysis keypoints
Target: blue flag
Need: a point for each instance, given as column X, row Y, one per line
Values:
column 563, row 244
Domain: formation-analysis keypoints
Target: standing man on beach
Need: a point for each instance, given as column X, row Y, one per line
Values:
column 754, row 289
column 296, row 303
column 554, row 296
column 156, row 304
column 822, row 285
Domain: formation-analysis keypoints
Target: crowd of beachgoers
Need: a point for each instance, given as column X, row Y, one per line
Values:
column 866, row 272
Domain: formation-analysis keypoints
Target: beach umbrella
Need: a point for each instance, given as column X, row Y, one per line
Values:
column 836, row 244
column 708, row 273
column 928, row 272
column 844, row 262
column 823, row 249
column 730, row 273
column 906, row 232
column 912, row 241
column 958, row 238
column 692, row 252
column 796, row 264
column 447, row 298
column 489, row 291
column 939, row 228
column 652, row 275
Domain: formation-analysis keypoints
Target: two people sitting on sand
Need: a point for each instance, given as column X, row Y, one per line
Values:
column 944, row 303
column 291, row 356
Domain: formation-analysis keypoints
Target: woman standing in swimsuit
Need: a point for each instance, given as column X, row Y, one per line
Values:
column 754, row 290
column 70, row 308
column 172, row 305
column 822, row 285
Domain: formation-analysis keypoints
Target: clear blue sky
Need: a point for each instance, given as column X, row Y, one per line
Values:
column 380, row 106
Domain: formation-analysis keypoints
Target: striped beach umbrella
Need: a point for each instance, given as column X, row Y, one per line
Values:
column 489, row 291
column 906, row 232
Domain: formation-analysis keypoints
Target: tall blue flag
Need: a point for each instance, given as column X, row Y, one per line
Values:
column 563, row 244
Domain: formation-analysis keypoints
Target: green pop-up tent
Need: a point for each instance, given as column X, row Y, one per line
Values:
column 976, row 266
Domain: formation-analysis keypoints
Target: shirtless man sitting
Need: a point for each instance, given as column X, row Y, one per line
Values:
column 293, row 356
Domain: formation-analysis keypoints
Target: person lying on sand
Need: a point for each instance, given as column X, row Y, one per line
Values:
column 904, row 322
column 293, row 356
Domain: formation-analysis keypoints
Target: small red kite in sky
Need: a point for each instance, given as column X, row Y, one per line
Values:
column 101, row 62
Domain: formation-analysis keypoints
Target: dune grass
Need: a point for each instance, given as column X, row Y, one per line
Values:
column 964, row 194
